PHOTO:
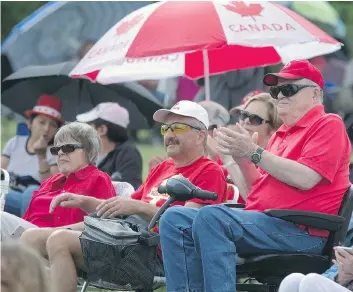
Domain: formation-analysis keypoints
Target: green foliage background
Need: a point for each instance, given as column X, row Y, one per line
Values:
column 12, row 12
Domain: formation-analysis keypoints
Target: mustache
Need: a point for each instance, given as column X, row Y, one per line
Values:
column 173, row 140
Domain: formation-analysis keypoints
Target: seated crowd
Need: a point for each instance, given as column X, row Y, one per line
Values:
column 29, row 156
column 305, row 166
column 284, row 152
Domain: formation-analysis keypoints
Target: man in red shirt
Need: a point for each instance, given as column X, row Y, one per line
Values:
column 304, row 167
column 185, row 138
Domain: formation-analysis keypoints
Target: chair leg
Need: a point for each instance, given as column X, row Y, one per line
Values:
column 84, row 286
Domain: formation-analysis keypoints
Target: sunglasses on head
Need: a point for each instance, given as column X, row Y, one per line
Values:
column 287, row 90
column 177, row 128
column 254, row 120
column 66, row 148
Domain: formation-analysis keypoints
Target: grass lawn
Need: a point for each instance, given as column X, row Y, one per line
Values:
column 147, row 152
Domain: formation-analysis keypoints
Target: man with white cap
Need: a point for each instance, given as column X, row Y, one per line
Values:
column 185, row 136
column 118, row 157
column 217, row 116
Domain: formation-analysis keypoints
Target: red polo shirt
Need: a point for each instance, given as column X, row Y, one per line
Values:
column 204, row 173
column 88, row 181
column 319, row 141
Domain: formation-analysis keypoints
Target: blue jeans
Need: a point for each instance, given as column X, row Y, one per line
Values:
column 16, row 203
column 200, row 246
column 27, row 197
column 13, row 203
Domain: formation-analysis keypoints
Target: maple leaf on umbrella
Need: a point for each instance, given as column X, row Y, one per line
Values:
column 242, row 9
column 126, row 25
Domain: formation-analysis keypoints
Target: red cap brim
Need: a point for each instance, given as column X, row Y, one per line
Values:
column 271, row 79
column 28, row 114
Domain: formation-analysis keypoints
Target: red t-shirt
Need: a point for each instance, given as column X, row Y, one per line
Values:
column 220, row 163
column 88, row 181
column 204, row 173
column 320, row 142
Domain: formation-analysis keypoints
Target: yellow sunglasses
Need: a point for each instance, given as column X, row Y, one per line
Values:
column 177, row 128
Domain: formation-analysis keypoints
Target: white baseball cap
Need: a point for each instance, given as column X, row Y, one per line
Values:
column 184, row 108
column 108, row 111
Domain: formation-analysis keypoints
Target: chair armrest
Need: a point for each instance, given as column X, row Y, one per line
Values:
column 149, row 239
column 310, row 219
column 235, row 206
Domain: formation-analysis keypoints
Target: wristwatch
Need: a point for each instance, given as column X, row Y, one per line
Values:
column 256, row 156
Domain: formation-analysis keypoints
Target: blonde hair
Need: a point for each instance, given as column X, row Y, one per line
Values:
column 22, row 269
column 275, row 121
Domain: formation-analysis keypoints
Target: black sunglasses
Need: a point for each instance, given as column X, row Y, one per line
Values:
column 66, row 148
column 254, row 120
column 287, row 90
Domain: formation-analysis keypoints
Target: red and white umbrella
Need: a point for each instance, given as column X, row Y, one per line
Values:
column 203, row 38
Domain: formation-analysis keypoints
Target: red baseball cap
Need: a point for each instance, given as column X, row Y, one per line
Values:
column 47, row 105
column 296, row 70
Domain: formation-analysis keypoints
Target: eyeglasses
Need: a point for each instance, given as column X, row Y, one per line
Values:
column 177, row 128
column 287, row 90
column 254, row 120
column 66, row 148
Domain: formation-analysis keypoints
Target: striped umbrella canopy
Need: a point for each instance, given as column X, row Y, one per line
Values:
column 206, row 37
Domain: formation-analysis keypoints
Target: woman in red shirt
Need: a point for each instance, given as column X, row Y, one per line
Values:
column 76, row 148
column 258, row 116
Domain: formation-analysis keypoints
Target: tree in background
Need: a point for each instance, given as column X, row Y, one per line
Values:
column 13, row 12
column 345, row 10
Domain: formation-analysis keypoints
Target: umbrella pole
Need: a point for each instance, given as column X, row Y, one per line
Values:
column 206, row 70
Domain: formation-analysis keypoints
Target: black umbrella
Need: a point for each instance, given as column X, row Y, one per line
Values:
column 21, row 90
column 6, row 68
column 55, row 32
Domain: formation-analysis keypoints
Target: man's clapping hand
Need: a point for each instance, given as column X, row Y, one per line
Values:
column 236, row 142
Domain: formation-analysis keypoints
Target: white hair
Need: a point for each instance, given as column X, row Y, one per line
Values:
column 83, row 134
column 312, row 83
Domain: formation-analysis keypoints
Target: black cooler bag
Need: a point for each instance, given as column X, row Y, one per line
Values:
column 119, row 253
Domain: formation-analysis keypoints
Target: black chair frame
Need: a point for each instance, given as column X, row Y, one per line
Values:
column 270, row 269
